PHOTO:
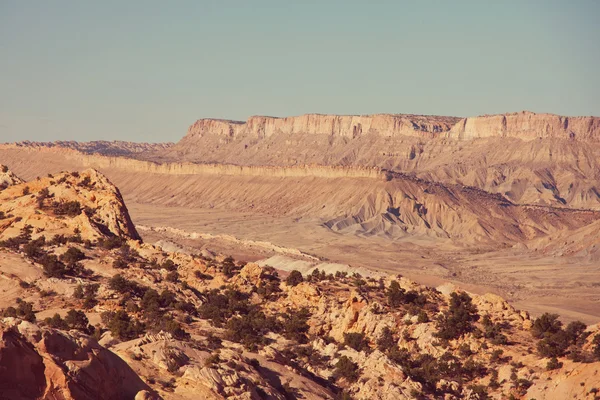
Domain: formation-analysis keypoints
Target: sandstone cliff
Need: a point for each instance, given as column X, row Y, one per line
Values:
column 348, row 126
column 527, row 126
column 41, row 363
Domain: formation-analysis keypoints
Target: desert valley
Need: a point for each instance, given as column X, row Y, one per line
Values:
column 320, row 256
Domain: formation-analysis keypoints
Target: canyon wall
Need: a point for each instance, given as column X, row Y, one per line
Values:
column 523, row 125
column 527, row 126
column 349, row 126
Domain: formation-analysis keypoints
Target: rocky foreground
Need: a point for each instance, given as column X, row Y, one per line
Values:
column 90, row 311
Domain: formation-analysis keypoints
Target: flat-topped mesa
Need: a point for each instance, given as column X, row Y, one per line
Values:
column 527, row 126
column 349, row 126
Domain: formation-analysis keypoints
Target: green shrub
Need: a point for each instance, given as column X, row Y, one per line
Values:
column 68, row 208
column 121, row 325
column 459, row 318
column 76, row 319
column 347, row 369
column 546, row 325
column 553, row 363
column 124, row 286
column 295, row 325
column 356, row 340
column 395, row 294
column 56, row 322
column 386, row 340
column 24, row 310
column 294, row 278
column 249, row 329
column 72, row 255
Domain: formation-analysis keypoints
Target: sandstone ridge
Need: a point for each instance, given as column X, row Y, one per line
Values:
column 524, row 125
column 527, row 126
column 349, row 126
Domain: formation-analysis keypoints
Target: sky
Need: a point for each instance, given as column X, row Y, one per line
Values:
column 146, row 70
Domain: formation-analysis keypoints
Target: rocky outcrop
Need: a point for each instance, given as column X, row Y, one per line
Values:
column 99, row 207
column 527, row 126
column 8, row 178
column 348, row 126
column 40, row 363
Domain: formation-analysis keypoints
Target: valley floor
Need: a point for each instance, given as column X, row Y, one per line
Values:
column 534, row 282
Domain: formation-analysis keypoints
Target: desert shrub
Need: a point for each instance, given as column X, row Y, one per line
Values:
column 68, row 208
column 493, row 331
column 496, row 355
column 399, row 356
column 575, row 330
column 168, row 324
column 395, row 294
column 459, row 317
column 546, row 325
column 422, row 317
column 386, row 340
column 554, row 341
column 76, row 319
column 42, row 195
column 169, row 265
column 596, row 346
column 56, row 322
column 85, row 182
column 124, row 286
column 202, row 276
column 415, row 298
column 35, row 248
column 119, row 263
column 356, row 340
column 295, row 325
column 249, row 329
column 347, row 369
column 553, row 363
column 479, row 392
column 24, row 310
column 4, row 169
column 72, row 255
column 52, row 267
column 294, row 278
column 172, row 276
column 111, row 242
column 26, row 191
column 121, row 325
column 78, row 292
column 218, row 307
column 269, row 289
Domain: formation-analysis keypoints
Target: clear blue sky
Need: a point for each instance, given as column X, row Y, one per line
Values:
column 145, row 70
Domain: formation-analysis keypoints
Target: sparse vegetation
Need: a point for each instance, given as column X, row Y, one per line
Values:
column 459, row 318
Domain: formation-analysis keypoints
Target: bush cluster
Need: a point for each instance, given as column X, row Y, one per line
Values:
column 458, row 319
column 554, row 340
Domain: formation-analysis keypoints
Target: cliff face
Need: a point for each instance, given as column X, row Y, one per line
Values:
column 527, row 126
column 523, row 125
column 349, row 126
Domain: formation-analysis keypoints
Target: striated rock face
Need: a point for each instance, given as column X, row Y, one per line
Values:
column 349, row 126
column 527, row 126
column 48, row 364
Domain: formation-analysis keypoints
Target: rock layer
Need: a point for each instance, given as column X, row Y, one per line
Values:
column 349, row 126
